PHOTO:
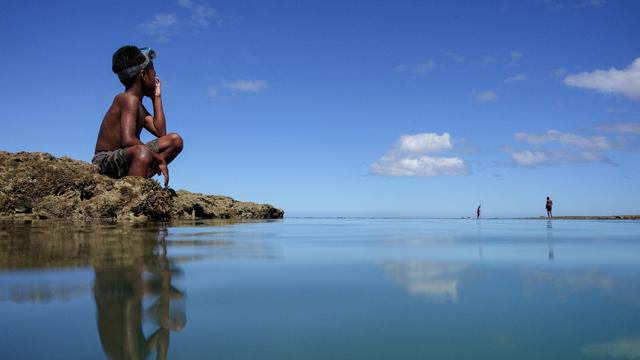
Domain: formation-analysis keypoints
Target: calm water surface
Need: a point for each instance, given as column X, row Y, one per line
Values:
column 322, row 289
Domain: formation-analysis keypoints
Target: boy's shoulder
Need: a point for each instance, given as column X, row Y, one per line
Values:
column 125, row 99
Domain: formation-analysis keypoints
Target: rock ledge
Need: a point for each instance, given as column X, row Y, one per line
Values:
column 41, row 186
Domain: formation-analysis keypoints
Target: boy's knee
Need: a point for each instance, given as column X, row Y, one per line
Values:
column 142, row 153
column 176, row 140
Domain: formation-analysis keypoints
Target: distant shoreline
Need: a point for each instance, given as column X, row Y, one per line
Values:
column 589, row 217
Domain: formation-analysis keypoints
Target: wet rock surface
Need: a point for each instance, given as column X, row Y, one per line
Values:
column 40, row 186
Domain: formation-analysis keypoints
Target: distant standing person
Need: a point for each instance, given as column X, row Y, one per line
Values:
column 549, row 206
column 478, row 212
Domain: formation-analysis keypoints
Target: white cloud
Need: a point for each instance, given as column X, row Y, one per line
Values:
column 516, row 55
column 516, row 78
column 246, row 85
column 201, row 12
column 621, row 348
column 533, row 158
column 161, row 27
column 409, row 157
column 416, row 69
column 595, row 142
column 557, row 148
column 485, row 96
column 528, row 158
column 425, row 143
column 623, row 128
column 423, row 165
column 625, row 81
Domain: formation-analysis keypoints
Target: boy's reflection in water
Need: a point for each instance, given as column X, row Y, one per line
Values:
column 119, row 293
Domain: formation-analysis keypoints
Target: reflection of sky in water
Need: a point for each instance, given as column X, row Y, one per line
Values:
column 324, row 288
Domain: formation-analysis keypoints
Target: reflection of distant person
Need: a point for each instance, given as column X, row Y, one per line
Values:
column 478, row 212
column 550, row 239
column 549, row 206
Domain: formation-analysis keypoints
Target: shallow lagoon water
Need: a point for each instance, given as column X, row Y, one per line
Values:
column 305, row 288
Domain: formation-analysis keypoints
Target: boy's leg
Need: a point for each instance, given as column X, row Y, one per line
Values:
column 140, row 159
column 167, row 147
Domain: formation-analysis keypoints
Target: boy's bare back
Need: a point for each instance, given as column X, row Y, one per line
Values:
column 109, row 137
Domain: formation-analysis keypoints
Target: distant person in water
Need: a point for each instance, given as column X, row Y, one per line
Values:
column 478, row 212
column 549, row 206
column 119, row 151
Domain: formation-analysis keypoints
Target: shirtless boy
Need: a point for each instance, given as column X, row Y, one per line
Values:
column 119, row 151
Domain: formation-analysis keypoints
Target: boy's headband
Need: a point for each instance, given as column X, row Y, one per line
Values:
column 149, row 54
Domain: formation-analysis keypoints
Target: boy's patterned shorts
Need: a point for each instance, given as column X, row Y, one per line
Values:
column 114, row 163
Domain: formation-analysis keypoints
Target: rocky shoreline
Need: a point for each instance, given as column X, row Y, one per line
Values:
column 589, row 217
column 36, row 185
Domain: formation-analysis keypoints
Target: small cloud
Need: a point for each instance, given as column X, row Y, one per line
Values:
column 246, row 85
column 455, row 57
column 423, row 165
column 485, row 96
column 622, row 128
column 590, row 4
column 625, row 82
column 595, row 142
column 201, row 12
column 488, row 60
column 528, row 157
column 212, row 91
column 574, row 4
column 516, row 55
column 534, row 158
column 559, row 72
column 410, row 157
column 515, row 78
column 416, row 69
column 557, row 148
column 247, row 57
column 161, row 27
column 425, row 143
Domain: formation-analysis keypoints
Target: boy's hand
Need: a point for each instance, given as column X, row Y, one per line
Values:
column 161, row 168
column 158, row 85
column 164, row 169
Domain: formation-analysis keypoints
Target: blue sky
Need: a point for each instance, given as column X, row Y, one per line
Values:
column 404, row 108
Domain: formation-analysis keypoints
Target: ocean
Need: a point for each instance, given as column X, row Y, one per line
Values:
column 321, row 288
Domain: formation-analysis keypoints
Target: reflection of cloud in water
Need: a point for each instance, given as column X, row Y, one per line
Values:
column 621, row 348
column 570, row 281
column 438, row 282
column 621, row 286
column 421, row 240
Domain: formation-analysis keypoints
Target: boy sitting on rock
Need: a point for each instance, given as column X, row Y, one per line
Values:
column 119, row 151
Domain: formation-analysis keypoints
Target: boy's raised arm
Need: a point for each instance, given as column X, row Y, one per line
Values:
column 156, row 124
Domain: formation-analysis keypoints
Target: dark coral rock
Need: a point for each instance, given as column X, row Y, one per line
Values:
column 41, row 186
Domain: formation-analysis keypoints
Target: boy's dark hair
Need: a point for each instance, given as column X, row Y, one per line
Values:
column 126, row 57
